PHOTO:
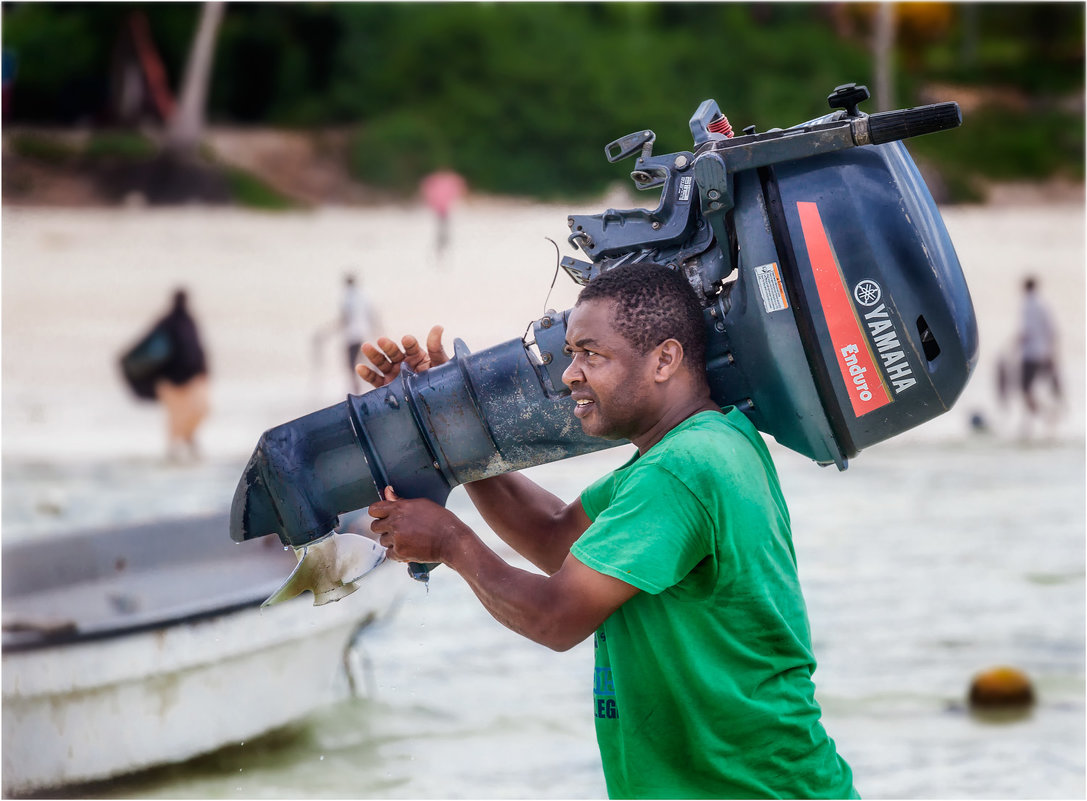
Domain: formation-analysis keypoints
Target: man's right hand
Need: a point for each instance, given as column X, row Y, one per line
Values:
column 386, row 356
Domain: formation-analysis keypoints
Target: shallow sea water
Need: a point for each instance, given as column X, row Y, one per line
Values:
column 922, row 564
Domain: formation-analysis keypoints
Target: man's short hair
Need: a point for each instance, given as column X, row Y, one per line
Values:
column 653, row 303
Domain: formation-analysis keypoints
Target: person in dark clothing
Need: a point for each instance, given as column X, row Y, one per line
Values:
column 182, row 383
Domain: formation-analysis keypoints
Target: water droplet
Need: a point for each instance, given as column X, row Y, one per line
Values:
column 322, row 757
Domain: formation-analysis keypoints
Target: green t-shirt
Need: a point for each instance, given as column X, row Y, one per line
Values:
column 703, row 682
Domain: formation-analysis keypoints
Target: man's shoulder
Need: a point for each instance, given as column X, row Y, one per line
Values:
column 710, row 448
column 707, row 448
column 709, row 430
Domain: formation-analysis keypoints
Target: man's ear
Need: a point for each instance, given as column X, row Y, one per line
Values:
column 669, row 360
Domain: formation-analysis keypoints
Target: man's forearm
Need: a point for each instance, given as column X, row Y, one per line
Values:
column 558, row 610
column 528, row 518
column 527, row 603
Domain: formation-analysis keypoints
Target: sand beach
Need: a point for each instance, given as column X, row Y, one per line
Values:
column 79, row 286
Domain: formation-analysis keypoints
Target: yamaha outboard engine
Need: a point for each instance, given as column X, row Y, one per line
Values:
column 836, row 311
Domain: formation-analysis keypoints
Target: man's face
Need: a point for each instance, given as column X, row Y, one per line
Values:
column 609, row 380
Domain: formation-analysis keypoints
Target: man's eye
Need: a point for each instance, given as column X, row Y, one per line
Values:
column 567, row 351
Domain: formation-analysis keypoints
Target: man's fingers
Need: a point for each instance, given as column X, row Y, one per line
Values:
column 434, row 346
column 414, row 355
column 369, row 376
column 371, row 352
column 376, row 357
column 386, row 356
column 391, row 350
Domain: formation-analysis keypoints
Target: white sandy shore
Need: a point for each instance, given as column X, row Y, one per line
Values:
column 79, row 286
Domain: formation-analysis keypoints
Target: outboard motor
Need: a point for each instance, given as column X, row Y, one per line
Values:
column 836, row 311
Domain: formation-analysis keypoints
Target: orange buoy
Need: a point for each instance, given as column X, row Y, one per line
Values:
column 1001, row 688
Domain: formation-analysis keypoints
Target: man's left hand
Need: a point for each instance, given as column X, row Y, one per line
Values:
column 387, row 356
column 416, row 529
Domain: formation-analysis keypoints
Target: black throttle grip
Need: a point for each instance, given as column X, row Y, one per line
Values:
column 890, row 126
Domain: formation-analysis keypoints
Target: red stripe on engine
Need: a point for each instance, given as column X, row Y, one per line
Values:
column 863, row 379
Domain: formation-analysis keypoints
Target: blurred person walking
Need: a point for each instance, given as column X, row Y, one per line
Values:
column 440, row 191
column 169, row 365
column 1037, row 354
column 357, row 322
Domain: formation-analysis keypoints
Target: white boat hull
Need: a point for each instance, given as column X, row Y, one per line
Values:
column 95, row 708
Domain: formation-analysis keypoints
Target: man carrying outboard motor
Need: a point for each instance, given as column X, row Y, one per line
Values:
column 796, row 282
column 680, row 562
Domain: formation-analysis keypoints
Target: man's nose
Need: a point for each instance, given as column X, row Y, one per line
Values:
column 572, row 374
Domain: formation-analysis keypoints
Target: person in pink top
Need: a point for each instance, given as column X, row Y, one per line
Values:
column 441, row 190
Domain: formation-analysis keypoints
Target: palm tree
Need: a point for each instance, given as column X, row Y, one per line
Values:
column 883, row 45
column 186, row 126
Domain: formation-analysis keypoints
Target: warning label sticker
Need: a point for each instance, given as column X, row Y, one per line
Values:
column 773, row 293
